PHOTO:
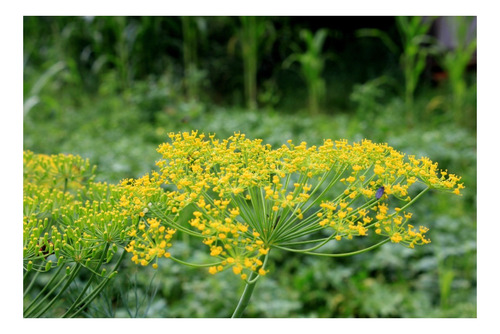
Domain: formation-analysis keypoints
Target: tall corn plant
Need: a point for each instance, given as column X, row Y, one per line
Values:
column 125, row 32
column 455, row 62
column 413, row 32
column 252, row 33
column 312, row 63
column 92, row 44
column 191, row 28
column 416, row 45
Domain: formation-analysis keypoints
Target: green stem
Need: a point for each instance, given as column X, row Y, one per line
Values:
column 194, row 265
column 285, row 228
column 303, row 242
column 247, row 293
column 328, row 187
column 322, row 243
column 415, row 198
column 33, row 280
column 34, row 303
column 255, row 194
column 63, row 289
column 174, row 225
column 334, row 255
column 90, row 280
column 245, row 297
column 87, row 300
column 72, row 276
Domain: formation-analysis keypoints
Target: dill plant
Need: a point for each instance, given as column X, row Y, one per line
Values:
column 247, row 199
column 241, row 198
column 72, row 228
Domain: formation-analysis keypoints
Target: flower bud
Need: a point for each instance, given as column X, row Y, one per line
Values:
column 68, row 246
column 109, row 256
column 48, row 266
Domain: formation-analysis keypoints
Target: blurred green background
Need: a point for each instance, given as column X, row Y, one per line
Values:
column 111, row 88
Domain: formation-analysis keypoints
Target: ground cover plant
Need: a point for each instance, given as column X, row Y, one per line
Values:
column 116, row 115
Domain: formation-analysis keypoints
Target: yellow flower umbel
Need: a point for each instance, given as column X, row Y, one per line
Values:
column 151, row 242
column 239, row 197
column 246, row 198
column 68, row 218
column 70, row 223
column 64, row 172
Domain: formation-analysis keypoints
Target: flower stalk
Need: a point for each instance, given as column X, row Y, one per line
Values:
column 245, row 297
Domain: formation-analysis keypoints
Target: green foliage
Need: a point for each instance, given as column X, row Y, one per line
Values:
column 455, row 63
column 111, row 90
column 193, row 29
column 255, row 33
column 416, row 46
column 369, row 98
column 312, row 63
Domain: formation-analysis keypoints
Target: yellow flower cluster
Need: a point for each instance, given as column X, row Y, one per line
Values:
column 245, row 198
column 240, row 197
column 150, row 241
column 64, row 172
column 427, row 171
column 66, row 216
column 138, row 193
column 228, row 238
